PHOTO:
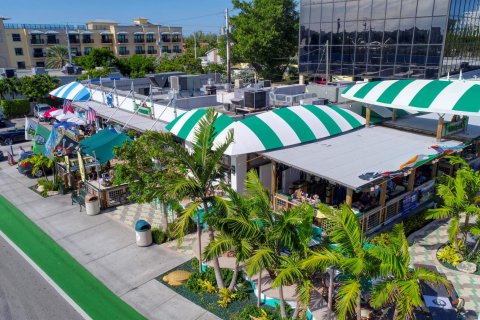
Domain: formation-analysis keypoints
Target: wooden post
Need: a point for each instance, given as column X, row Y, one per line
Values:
column 367, row 117
column 439, row 129
column 394, row 114
column 274, row 179
column 411, row 181
column 348, row 198
column 382, row 201
column 434, row 170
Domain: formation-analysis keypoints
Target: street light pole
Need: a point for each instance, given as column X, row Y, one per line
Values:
column 227, row 32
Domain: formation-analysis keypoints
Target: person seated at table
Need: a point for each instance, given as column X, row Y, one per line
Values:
column 364, row 201
column 391, row 186
column 315, row 200
column 419, row 178
column 93, row 175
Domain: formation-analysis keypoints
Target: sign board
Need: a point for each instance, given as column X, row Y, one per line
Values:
column 456, row 126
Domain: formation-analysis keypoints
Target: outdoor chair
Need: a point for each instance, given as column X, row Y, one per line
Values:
column 78, row 196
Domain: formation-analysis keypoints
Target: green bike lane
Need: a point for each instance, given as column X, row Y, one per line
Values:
column 91, row 295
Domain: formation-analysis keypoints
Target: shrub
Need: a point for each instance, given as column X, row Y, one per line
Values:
column 193, row 282
column 415, row 222
column 243, row 291
column 448, row 254
column 159, row 236
column 207, row 286
column 226, row 297
column 15, row 108
column 256, row 312
column 195, row 264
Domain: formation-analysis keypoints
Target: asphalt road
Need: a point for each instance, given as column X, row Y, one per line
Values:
column 24, row 294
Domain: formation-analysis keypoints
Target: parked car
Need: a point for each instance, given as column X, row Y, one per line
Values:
column 11, row 136
column 2, row 123
column 39, row 111
column 26, row 167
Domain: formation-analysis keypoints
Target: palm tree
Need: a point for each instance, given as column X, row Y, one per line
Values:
column 57, row 57
column 11, row 86
column 351, row 254
column 459, row 196
column 238, row 232
column 401, row 286
column 204, row 166
column 288, row 230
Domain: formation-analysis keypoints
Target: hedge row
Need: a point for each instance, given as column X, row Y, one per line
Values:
column 15, row 108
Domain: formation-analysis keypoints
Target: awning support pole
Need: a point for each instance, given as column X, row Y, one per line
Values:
column 394, row 115
column 274, row 179
column 349, row 197
column 440, row 127
column 367, row 117
column 411, row 181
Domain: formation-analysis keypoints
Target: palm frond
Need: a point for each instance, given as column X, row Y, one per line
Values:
column 182, row 223
column 262, row 258
column 384, row 293
column 347, row 297
column 215, row 248
column 321, row 260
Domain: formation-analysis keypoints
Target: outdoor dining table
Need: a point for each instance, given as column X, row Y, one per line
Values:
column 437, row 298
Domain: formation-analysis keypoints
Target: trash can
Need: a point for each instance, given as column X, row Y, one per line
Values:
column 92, row 205
column 143, row 233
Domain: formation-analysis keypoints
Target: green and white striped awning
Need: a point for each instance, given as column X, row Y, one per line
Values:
column 451, row 97
column 273, row 129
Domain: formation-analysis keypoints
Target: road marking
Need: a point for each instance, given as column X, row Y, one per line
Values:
column 47, row 278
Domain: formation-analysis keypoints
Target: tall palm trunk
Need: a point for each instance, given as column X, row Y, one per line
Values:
column 283, row 312
column 259, row 289
column 216, row 264
column 465, row 227
column 358, row 309
column 234, row 277
column 165, row 215
column 455, row 239
column 330, row 292
column 199, row 237
column 475, row 249
column 297, row 308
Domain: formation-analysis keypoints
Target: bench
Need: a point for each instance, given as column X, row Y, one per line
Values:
column 78, row 196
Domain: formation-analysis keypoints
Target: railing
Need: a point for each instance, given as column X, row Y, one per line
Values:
column 44, row 26
column 166, row 51
column 139, row 51
column 107, row 41
column 37, row 41
column 122, row 40
column 141, row 40
column 53, row 41
column 176, row 39
column 177, row 50
column 124, row 53
column 166, row 39
column 74, row 41
column 109, row 196
column 39, row 54
column 89, row 40
column 152, row 51
column 150, row 40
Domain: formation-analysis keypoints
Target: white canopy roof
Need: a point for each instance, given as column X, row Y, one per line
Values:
column 343, row 158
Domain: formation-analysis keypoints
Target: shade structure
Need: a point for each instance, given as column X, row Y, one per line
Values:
column 272, row 130
column 65, row 116
column 74, row 91
column 77, row 121
column 101, row 144
column 55, row 113
column 440, row 96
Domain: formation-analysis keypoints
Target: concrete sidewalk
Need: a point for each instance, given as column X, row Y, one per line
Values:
column 106, row 248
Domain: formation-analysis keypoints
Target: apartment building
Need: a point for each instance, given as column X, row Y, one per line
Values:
column 24, row 46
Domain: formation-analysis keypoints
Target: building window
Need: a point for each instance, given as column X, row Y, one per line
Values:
column 20, row 65
column 151, row 50
column 150, row 38
column 38, row 53
column 16, row 37
column 87, row 50
column 52, row 39
column 40, row 64
column 123, row 51
column 138, row 38
column 122, row 38
column 18, row 51
column 139, row 50
column 176, row 49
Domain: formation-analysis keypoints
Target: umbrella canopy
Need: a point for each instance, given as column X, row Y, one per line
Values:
column 74, row 91
column 55, row 113
column 101, row 145
column 48, row 113
column 65, row 116
column 271, row 130
column 439, row 96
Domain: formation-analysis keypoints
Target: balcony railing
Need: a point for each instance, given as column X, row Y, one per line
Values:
column 53, row 41
column 176, row 39
column 177, row 50
column 139, row 51
column 37, row 41
column 39, row 54
column 124, row 53
column 77, row 54
column 166, row 51
column 122, row 40
column 152, row 51
column 88, row 40
column 150, row 40
column 74, row 41
column 107, row 41
column 141, row 40
column 166, row 39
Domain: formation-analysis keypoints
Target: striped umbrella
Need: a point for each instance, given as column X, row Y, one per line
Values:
column 74, row 91
column 274, row 129
column 439, row 96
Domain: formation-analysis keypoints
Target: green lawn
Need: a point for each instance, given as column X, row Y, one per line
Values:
column 86, row 290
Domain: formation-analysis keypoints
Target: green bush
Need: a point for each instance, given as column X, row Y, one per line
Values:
column 15, row 108
column 416, row 222
column 448, row 254
column 194, row 282
column 159, row 236
column 254, row 311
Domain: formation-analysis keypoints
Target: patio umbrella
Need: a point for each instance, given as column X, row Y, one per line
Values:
column 73, row 91
column 65, row 116
column 48, row 113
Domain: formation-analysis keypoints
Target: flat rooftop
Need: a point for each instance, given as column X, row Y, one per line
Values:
column 342, row 159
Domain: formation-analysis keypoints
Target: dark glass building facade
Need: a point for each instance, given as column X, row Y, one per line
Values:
column 389, row 38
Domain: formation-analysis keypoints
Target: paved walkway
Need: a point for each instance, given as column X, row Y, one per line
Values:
column 106, row 248
column 424, row 245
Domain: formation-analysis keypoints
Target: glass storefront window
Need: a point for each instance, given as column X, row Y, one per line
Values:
column 406, row 31
column 364, row 9
column 422, row 30
column 378, row 9
column 409, row 8
column 425, row 8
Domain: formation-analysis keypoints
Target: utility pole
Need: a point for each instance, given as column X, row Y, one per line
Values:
column 68, row 46
column 227, row 32
column 195, row 44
